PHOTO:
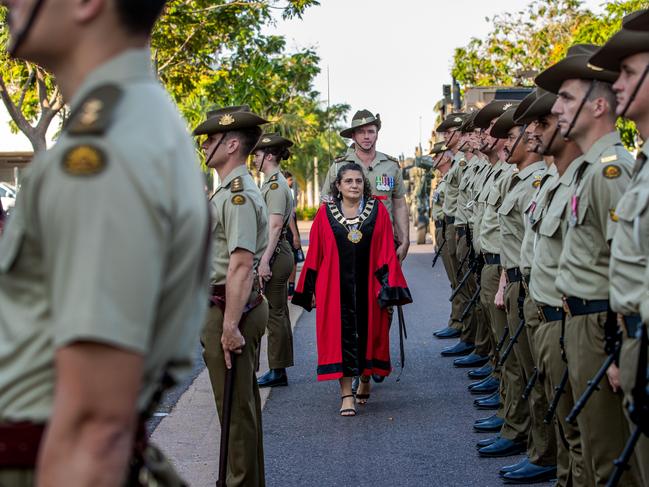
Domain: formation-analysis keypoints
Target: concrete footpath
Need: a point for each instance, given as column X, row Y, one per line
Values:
column 189, row 435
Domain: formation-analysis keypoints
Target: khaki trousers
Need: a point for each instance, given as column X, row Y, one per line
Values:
column 449, row 266
column 246, row 450
column 470, row 323
column 17, row 478
column 517, row 413
column 497, row 319
column 280, row 335
column 542, row 443
column 570, row 459
column 602, row 423
column 456, row 305
column 628, row 371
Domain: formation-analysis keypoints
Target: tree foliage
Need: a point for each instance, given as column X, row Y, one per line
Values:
column 523, row 43
column 208, row 53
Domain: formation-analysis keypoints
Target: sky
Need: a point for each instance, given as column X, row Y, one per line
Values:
column 392, row 56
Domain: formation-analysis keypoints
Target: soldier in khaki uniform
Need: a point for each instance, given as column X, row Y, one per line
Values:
column 628, row 52
column 512, row 413
column 442, row 163
column 449, row 130
column 549, row 223
column 277, row 262
column 540, row 463
column 238, row 314
column 586, row 112
column 101, row 293
column 381, row 170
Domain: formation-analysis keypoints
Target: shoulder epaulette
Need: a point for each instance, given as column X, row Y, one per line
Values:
column 340, row 158
column 236, row 186
column 274, row 178
column 394, row 159
column 95, row 112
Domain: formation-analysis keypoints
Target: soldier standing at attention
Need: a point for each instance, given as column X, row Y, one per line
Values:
column 586, row 111
column 238, row 313
column 628, row 52
column 101, row 297
column 277, row 262
column 383, row 172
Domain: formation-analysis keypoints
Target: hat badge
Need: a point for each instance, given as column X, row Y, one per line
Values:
column 507, row 106
column 363, row 121
column 457, row 119
column 266, row 140
column 226, row 119
column 594, row 68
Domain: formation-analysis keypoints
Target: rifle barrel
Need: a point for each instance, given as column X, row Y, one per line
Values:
column 512, row 341
column 558, row 390
column 472, row 302
column 593, row 385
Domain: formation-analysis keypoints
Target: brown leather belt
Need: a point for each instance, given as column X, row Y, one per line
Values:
column 20, row 442
column 217, row 297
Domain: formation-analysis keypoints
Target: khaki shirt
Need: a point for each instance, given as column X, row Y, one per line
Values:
column 384, row 174
column 630, row 246
column 438, row 199
column 107, row 242
column 277, row 195
column 239, row 221
column 492, row 173
column 453, row 179
column 550, row 227
column 511, row 214
column 464, row 211
column 489, row 225
column 583, row 267
column 533, row 213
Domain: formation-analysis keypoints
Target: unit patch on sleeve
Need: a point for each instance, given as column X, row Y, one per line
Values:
column 274, row 185
column 612, row 171
column 238, row 199
column 84, row 160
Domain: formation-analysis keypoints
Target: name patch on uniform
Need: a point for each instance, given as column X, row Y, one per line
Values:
column 274, row 186
column 238, row 199
column 612, row 171
column 607, row 159
column 84, row 160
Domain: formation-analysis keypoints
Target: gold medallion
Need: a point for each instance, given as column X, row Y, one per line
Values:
column 612, row 171
column 238, row 199
column 274, row 186
column 354, row 236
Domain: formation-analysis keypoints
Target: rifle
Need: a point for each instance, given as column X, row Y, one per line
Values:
column 521, row 326
column 228, row 392
column 638, row 409
column 459, row 269
column 470, row 304
column 530, row 384
column 438, row 253
column 501, row 343
column 558, row 390
column 613, row 343
column 462, row 283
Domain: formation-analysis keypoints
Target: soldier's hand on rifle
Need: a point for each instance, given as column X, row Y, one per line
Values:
column 613, row 374
column 232, row 341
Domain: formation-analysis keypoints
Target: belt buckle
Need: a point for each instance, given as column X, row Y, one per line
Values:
column 566, row 308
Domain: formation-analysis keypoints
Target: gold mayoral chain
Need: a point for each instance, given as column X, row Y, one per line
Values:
column 354, row 235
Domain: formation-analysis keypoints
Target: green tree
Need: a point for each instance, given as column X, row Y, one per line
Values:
column 190, row 42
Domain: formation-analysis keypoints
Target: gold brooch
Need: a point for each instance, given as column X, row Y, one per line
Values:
column 226, row 119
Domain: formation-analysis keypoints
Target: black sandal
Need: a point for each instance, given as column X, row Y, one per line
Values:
column 347, row 412
column 362, row 398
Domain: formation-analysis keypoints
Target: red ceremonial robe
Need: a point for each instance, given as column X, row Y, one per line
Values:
column 354, row 284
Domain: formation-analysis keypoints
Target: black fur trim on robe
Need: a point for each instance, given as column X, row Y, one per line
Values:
column 391, row 296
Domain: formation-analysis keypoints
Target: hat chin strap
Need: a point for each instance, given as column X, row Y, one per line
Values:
column 636, row 90
column 22, row 34
column 579, row 110
column 218, row 144
column 518, row 141
column 546, row 148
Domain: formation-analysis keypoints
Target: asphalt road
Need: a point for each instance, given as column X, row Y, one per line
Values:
column 415, row 432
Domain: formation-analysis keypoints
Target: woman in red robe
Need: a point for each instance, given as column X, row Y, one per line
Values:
column 352, row 275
